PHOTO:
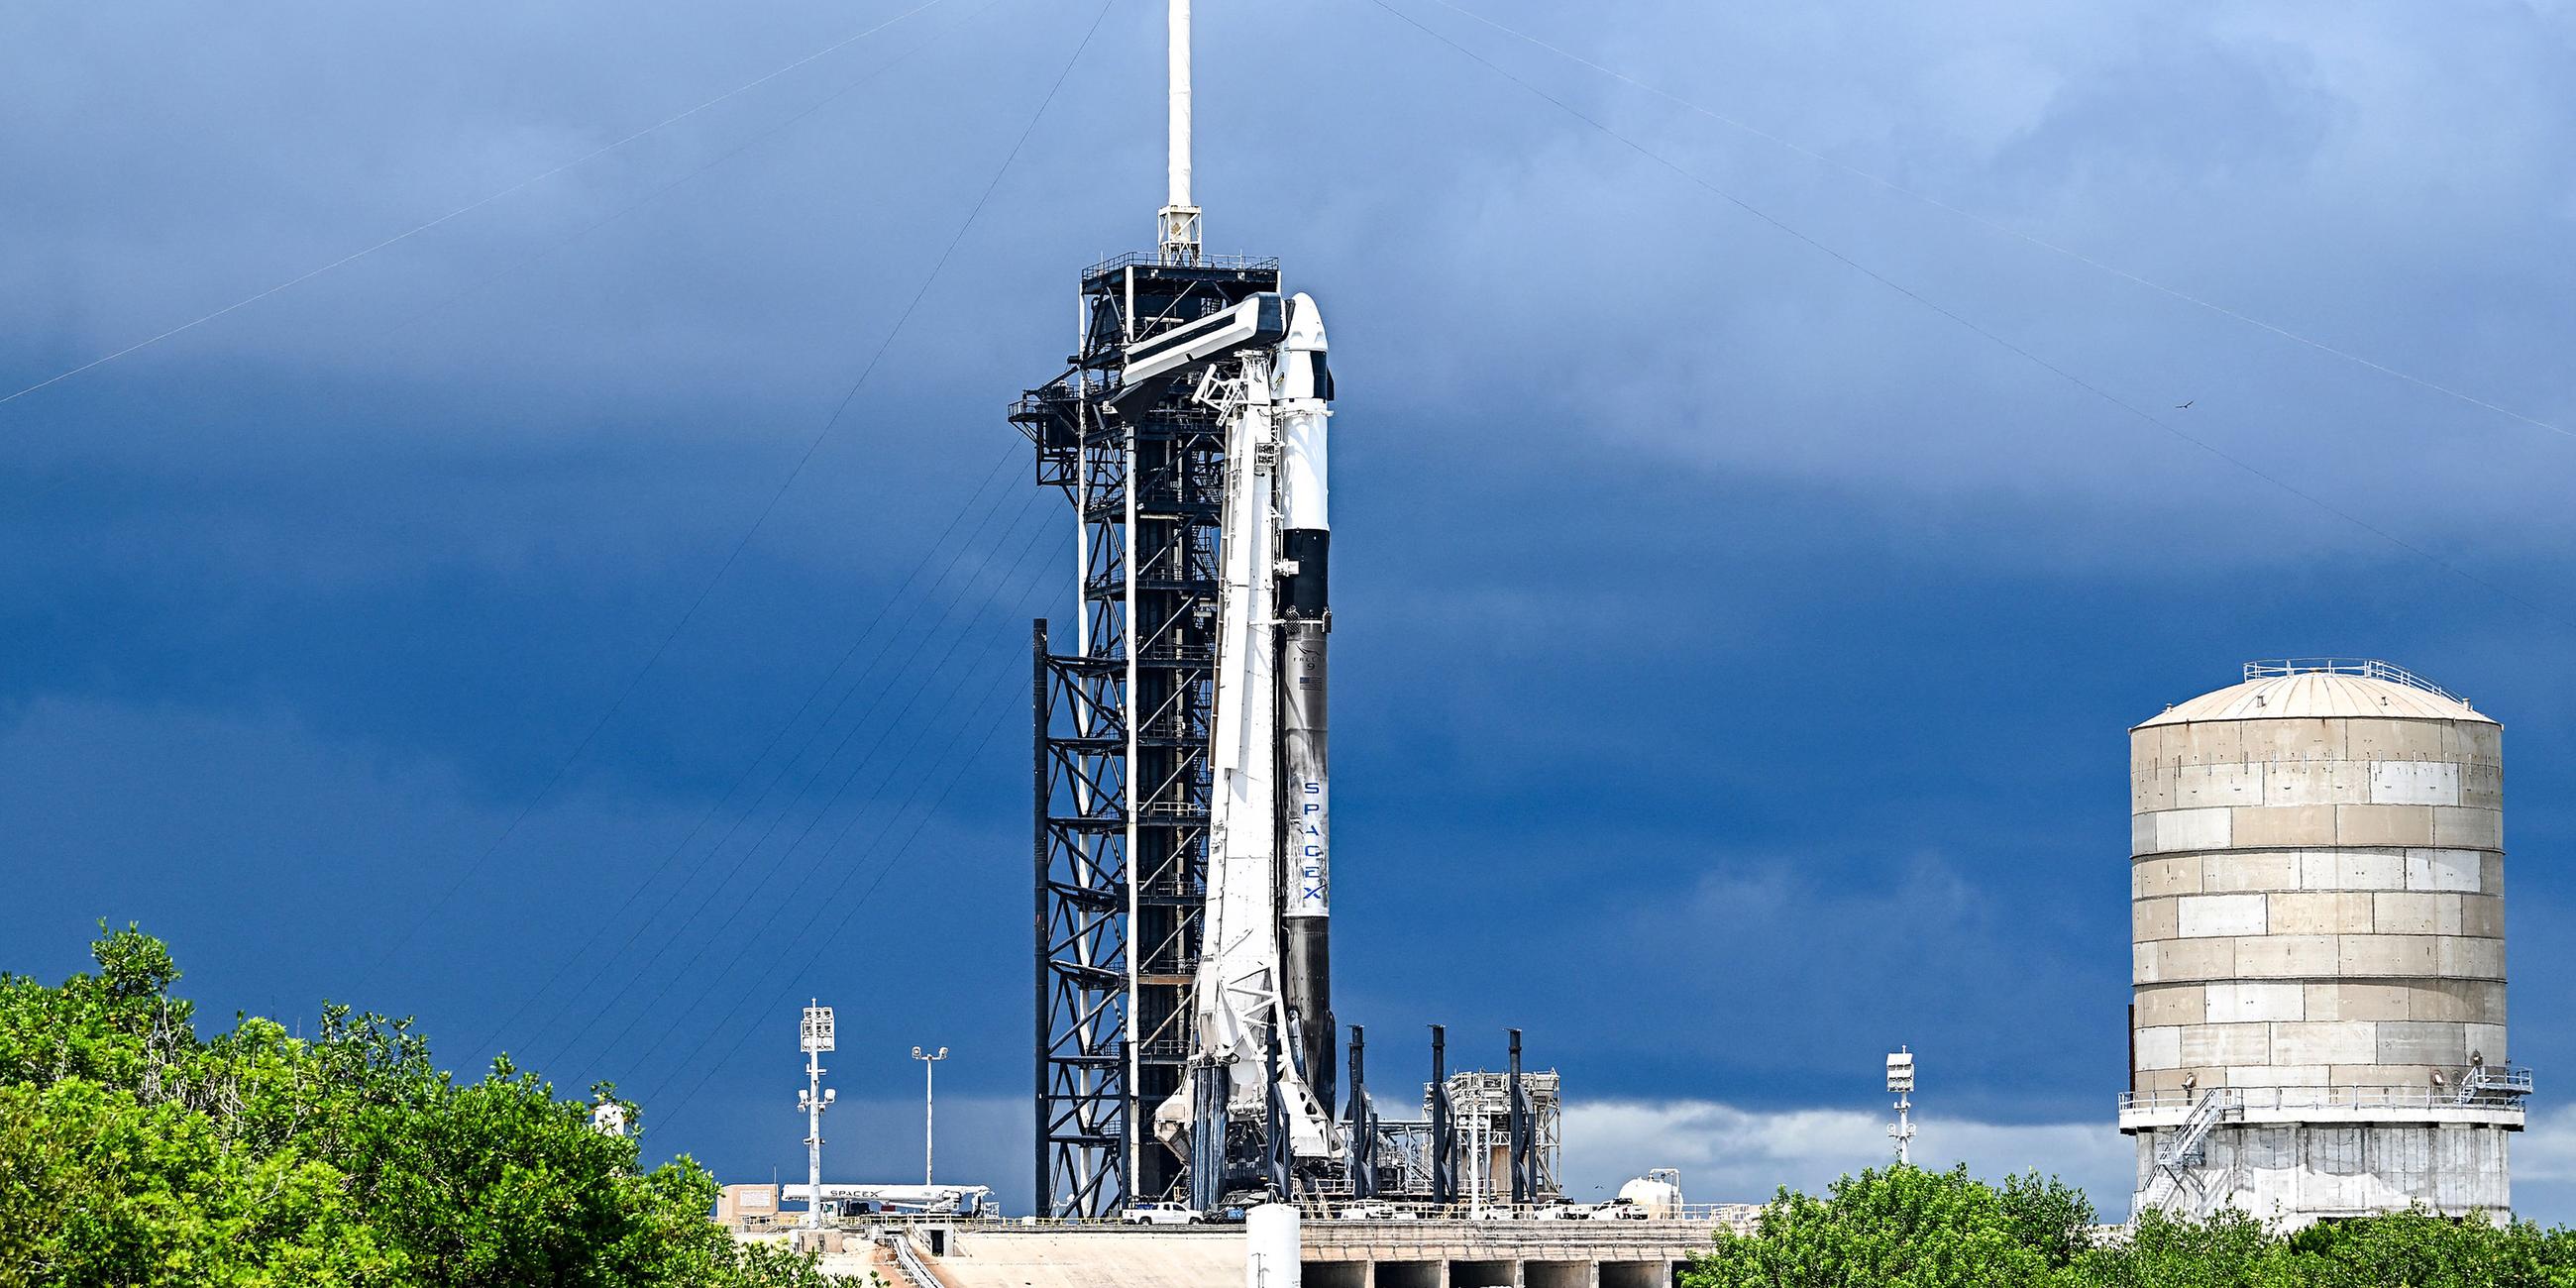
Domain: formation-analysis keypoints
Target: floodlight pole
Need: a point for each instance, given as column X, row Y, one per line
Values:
column 813, row 1137
column 814, row 1034
column 929, row 1059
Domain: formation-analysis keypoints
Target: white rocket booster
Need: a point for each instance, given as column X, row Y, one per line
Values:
column 1301, row 389
column 1264, row 976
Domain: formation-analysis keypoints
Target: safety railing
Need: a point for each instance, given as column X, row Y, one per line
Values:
column 2185, row 1147
column 2494, row 1080
column 2368, row 668
column 906, row 1257
column 2498, row 1087
column 1363, row 1211
column 1147, row 258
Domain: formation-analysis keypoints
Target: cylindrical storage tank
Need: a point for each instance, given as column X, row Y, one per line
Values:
column 1273, row 1247
column 1657, row 1198
column 2317, row 913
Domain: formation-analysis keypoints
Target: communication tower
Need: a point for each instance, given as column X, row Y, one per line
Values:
column 1900, row 1084
column 814, row 1037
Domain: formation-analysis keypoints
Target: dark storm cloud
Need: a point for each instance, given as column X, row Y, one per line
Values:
column 1700, row 591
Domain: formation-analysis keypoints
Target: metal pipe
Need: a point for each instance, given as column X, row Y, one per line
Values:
column 1523, row 1130
column 1363, row 1125
column 1444, row 1168
column 1041, row 1191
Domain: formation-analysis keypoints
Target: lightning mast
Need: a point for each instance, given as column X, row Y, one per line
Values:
column 1177, row 225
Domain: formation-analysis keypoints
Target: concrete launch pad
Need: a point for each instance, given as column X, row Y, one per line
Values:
column 1086, row 1258
column 1336, row 1254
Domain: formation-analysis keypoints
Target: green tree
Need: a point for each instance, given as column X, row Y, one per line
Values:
column 2048, row 1216
column 1907, row 1228
column 2230, row 1250
column 2419, row 1250
column 133, row 1152
column 1901, row 1228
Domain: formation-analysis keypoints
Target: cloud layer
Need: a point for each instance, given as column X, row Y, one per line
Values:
column 1734, row 652
column 1728, row 1153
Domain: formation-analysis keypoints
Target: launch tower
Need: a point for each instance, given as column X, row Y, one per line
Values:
column 1178, row 752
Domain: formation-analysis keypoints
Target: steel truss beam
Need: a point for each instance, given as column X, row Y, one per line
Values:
column 1121, row 725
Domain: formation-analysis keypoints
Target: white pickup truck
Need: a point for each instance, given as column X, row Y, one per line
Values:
column 1161, row 1214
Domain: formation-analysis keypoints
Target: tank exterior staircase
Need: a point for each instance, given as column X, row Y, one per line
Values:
column 2190, row 1142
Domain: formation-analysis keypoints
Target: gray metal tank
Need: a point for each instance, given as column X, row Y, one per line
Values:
column 2317, row 904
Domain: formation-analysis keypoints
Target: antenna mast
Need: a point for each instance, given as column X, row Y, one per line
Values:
column 814, row 1036
column 1178, row 233
column 1900, row 1083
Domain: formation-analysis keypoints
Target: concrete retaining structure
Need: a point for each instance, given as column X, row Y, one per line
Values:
column 1335, row 1254
column 1501, row 1254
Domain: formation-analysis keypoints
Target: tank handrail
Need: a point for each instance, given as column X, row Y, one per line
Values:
column 2500, row 1087
column 2368, row 668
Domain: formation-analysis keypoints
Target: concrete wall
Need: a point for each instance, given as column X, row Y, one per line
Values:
column 2316, row 902
column 2319, row 903
column 1521, row 1254
column 2298, row 1173
column 1334, row 1254
column 1060, row 1257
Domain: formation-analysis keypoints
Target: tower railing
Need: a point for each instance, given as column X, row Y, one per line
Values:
column 1230, row 263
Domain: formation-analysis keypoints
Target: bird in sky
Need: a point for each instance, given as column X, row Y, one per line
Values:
column 2185, row 404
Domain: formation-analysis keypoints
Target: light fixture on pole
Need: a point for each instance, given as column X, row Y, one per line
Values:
column 814, row 1037
column 1900, row 1083
column 929, row 1059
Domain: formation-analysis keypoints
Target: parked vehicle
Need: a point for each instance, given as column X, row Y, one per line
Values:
column 1162, row 1214
column 1374, row 1212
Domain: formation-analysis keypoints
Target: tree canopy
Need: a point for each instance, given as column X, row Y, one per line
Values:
column 1911, row 1228
column 133, row 1151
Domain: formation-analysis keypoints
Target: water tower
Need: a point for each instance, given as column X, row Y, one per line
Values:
column 2317, row 900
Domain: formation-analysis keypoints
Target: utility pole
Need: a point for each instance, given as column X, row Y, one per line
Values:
column 814, row 1035
column 1900, row 1083
column 929, row 1060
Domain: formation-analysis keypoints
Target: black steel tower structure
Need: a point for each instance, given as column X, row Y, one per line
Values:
column 1122, row 726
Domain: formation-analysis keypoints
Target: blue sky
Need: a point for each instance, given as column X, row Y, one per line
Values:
column 1734, row 650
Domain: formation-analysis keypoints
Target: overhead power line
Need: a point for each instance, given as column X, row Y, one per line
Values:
column 469, row 207
column 957, row 772
column 635, row 890
column 1991, row 337
column 747, row 893
column 762, row 939
column 755, row 139
column 733, row 556
column 1998, row 226
column 732, row 1019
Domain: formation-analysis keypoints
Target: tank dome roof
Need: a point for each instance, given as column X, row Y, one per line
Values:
column 2323, row 689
